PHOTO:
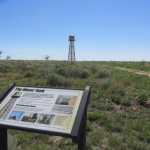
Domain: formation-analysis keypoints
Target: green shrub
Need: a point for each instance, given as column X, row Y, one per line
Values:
column 12, row 142
column 4, row 69
column 93, row 104
column 84, row 73
column 48, row 71
column 61, row 71
column 105, row 120
column 89, row 126
column 100, row 94
column 116, row 98
column 93, row 116
column 93, row 69
column 139, row 124
column 117, row 127
column 144, row 135
column 103, row 73
column 142, row 63
column 17, row 76
column 115, row 143
column 93, row 139
column 105, row 83
column 28, row 74
column 127, row 81
column 109, row 107
column 73, row 72
column 126, row 103
column 78, row 72
column 102, row 106
column 121, row 91
column 142, row 98
column 54, row 79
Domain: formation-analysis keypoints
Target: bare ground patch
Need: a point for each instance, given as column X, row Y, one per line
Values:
column 135, row 71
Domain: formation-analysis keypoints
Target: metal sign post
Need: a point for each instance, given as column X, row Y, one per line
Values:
column 52, row 111
column 82, row 140
column 3, row 138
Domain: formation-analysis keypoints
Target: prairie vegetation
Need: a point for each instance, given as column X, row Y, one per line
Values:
column 119, row 108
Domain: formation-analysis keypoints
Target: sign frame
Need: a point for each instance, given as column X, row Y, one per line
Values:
column 78, row 132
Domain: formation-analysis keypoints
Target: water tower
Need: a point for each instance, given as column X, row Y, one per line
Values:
column 71, row 55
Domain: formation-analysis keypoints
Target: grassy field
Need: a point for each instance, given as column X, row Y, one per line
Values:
column 119, row 108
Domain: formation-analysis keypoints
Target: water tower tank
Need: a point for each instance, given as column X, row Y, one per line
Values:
column 71, row 38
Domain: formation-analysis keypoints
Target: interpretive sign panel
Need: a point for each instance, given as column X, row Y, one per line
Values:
column 41, row 108
column 53, row 111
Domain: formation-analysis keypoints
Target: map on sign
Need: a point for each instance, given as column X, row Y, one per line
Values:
column 41, row 108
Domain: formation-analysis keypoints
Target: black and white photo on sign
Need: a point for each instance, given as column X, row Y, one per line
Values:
column 45, row 118
column 30, row 117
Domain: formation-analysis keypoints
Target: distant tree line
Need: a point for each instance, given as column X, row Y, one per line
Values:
column 9, row 57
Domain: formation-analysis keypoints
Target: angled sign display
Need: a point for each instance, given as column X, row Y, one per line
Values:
column 54, row 111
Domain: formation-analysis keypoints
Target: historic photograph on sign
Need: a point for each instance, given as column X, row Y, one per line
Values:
column 29, row 117
column 7, row 108
column 61, row 121
column 16, row 115
column 62, row 109
column 66, row 100
column 45, row 119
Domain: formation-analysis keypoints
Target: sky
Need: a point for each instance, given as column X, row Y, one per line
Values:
column 105, row 30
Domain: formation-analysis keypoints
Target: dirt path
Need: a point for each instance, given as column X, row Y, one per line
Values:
column 135, row 71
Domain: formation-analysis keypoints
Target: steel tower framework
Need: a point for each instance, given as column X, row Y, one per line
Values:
column 71, row 55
